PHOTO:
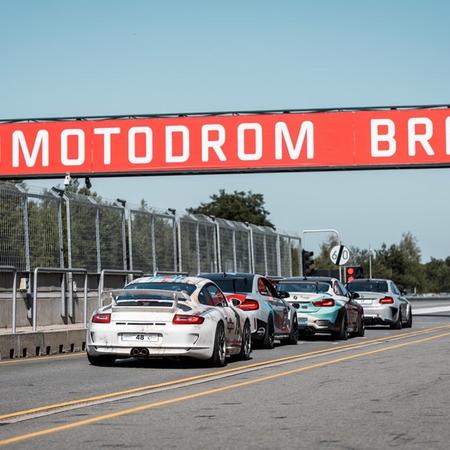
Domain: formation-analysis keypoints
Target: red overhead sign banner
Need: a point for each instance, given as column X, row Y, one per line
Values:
column 227, row 143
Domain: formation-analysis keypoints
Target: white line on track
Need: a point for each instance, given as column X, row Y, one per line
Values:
column 431, row 310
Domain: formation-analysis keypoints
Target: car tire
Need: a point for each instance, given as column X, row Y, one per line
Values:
column 408, row 324
column 218, row 358
column 293, row 334
column 268, row 341
column 246, row 345
column 101, row 360
column 342, row 334
column 397, row 325
column 361, row 328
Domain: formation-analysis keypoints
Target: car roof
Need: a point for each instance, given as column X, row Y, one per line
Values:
column 223, row 275
column 371, row 280
column 169, row 279
column 323, row 279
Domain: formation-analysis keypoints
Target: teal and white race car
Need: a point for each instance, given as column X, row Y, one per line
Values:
column 323, row 305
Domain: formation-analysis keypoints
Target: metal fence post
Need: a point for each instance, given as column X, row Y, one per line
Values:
column 218, row 251
column 180, row 256
column 69, row 231
column 251, row 251
column 197, row 246
column 97, row 238
column 26, row 230
column 130, row 241
column 266, row 268
column 234, row 250
column 278, row 250
column 124, row 237
column 290, row 257
column 174, row 227
column 152, row 224
column 69, row 253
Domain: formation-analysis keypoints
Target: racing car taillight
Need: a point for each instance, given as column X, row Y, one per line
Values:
column 101, row 318
column 325, row 302
column 249, row 305
column 186, row 319
column 386, row 301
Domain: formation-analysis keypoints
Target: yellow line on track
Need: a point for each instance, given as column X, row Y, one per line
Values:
column 33, row 359
column 261, row 364
column 84, row 422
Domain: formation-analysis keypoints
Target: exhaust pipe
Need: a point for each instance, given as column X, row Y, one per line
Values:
column 139, row 351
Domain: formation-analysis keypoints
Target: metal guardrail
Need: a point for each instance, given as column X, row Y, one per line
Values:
column 58, row 270
column 104, row 272
column 13, row 270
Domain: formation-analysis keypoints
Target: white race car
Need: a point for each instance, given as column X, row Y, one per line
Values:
column 167, row 316
column 383, row 302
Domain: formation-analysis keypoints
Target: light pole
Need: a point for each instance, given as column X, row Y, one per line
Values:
column 370, row 261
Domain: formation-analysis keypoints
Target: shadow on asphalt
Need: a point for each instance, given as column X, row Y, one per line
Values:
column 168, row 363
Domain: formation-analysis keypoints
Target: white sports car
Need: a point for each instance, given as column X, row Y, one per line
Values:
column 166, row 316
column 383, row 302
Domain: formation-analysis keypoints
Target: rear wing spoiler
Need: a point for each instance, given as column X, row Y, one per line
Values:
column 137, row 299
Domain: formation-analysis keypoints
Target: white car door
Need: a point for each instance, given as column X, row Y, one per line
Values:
column 217, row 299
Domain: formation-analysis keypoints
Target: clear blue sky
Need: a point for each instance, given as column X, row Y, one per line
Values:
column 64, row 58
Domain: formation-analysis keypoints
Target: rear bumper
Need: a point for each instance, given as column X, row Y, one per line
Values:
column 380, row 315
column 188, row 340
column 320, row 322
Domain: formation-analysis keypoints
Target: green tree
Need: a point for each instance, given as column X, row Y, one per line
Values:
column 239, row 206
column 437, row 274
column 401, row 263
column 322, row 260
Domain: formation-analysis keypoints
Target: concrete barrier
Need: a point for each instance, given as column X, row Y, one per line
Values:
column 56, row 332
column 42, row 343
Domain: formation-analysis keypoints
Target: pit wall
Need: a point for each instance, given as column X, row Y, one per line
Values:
column 56, row 331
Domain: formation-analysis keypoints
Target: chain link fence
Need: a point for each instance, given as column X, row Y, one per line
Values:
column 151, row 240
column 13, row 251
column 45, row 230
column 62, row 229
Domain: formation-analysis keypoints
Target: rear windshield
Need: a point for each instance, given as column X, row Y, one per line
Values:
column 235, row 285
column 368, row 286
column 303, row 286
column 189, row 288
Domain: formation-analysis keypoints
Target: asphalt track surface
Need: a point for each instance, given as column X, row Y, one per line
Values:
column 389, row 389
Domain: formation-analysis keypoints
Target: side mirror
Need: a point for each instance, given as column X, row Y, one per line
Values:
column 296, row 305
column 283, row 294
column 354, row 295
column 403, row 292
column 235, row 302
